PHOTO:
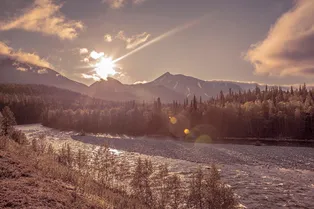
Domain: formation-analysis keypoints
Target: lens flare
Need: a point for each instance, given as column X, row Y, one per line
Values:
column 204, row 139
column 173, row 120
column 186, row 131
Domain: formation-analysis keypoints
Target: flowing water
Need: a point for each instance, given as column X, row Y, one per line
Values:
column 261, row 176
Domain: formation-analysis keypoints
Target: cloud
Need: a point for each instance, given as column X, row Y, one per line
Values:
column 108, row 38
column 42, row 71
column 116, row 4
column 21, row 56
column 133, row 41
column 95, row 55
column 95, row 77
column 83, row 51
column 289, row 46
column 140, row 82
column 4, row 49
column 86, row 60
column 22, row 69
column 44, row 16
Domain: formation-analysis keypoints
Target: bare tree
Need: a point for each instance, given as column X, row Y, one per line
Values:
column 161, row 186
column 175, row 191
column 141, row 183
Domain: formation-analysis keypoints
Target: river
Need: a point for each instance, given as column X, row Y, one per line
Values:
column 261, row 176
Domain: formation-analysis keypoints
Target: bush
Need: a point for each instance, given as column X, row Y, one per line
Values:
column 19, row 137
column 207, row 191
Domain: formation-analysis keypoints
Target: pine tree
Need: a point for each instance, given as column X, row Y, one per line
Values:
column 7, row 121
column 194, row 103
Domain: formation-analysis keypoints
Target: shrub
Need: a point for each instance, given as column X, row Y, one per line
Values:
column 207, row 191
column 19, row 137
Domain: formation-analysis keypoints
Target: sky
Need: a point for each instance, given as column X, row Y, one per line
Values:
column 269, row 41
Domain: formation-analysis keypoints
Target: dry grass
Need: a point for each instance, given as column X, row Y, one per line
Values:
column 35, row 179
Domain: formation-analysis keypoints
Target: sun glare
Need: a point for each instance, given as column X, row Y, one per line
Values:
column 105, row 67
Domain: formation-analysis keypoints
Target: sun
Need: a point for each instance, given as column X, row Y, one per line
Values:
column 105, row 67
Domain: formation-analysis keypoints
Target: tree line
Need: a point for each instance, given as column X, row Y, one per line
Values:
column 260, row 113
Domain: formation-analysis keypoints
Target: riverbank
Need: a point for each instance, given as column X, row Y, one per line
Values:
column 290, row 142
column 33, row 175
column 24, row 186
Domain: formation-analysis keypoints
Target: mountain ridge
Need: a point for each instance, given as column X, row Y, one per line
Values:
column 168, row 86
column 13, row 71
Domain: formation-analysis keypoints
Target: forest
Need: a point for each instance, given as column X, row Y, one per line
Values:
column 272, row 112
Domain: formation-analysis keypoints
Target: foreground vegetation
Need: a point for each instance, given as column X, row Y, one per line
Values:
column 269, row 113
column 107, row 183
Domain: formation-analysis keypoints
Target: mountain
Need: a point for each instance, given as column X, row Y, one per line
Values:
column 112, row 89
column 168, row 87
column 12, row 71
column 189, row 86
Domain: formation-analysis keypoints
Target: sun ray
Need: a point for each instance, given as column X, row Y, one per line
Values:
column 164, row 35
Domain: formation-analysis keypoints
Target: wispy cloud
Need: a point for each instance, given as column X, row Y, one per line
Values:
column 289, row 46
column 133, row 41
column 86, row 60
column 95, row 77
column 44, row 16
column 116, row 4
column 96, row 55
column 22, row 69
column 42, row 71
column 21, row 56
column 83, row 51
column 140, row 82
column 108, row 38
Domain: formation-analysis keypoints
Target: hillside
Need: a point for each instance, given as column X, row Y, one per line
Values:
column 23, row 186
column 190, row 86
column 16, row 72
column 112, row 89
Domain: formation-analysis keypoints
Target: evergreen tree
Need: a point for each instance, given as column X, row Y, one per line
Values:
column 7, row 121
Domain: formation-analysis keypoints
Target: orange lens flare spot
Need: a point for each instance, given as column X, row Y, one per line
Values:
column 173, row 120
column 186, row 131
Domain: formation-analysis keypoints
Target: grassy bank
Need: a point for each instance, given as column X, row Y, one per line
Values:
column 66, row 179
column 33, row 177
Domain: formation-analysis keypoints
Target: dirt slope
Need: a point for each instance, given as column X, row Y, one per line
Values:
column 23, row 186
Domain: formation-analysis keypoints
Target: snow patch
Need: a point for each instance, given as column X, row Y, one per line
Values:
column 199, row 85
column 175, row 86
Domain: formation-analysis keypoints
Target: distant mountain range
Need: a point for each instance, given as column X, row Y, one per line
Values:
column 12, row 71
column 189, row 86
column 168, row 87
